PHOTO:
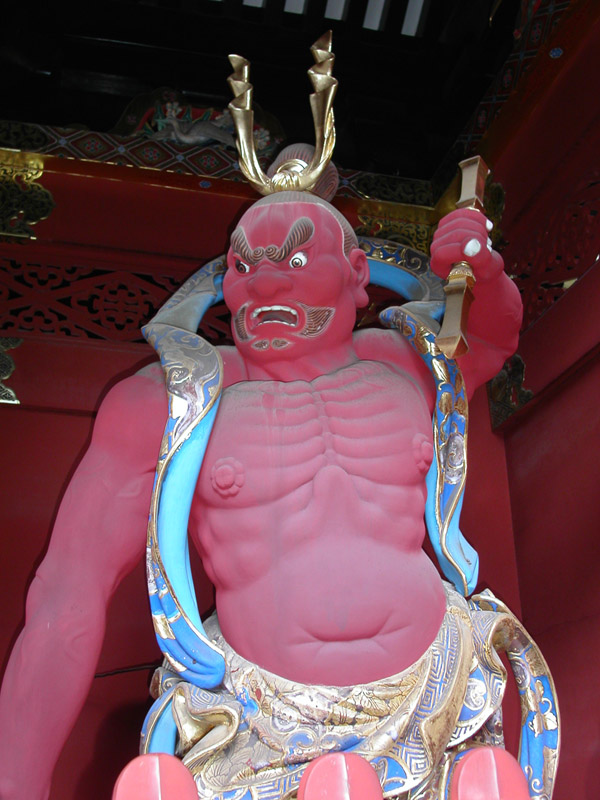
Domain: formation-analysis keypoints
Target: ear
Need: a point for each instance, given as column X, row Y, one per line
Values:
column 360, row 276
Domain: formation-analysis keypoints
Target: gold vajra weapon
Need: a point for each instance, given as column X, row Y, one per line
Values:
column 459, row 290
column 295, row 174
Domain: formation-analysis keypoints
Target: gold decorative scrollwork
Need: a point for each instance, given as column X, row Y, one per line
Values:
column 406, row 214
column 22, row 135
column 414, row 234
column 23, row 202
column 506, row 392
column 392, row 189
column 7, row 366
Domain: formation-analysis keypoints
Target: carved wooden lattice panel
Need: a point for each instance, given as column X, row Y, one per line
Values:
column 561, row 250
column 69, row 299
column 72, row 299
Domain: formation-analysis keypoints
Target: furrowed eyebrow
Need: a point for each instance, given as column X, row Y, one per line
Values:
column 301, row 232
column 240, row 244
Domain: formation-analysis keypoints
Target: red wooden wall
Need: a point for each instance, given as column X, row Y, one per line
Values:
column 552, row 456
column 544, row 149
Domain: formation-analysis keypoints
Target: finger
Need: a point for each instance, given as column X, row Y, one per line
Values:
column 443, row 257
column 461, row 234
column 469, row 221
column 485, row 264
column 463, row 213
column 471, row 243
column 462, row 224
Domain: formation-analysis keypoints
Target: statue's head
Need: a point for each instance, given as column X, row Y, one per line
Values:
column 295, row 272
column 295, row 276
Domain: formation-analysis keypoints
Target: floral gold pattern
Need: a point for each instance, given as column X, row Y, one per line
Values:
column 7, row 366
column 23, row 202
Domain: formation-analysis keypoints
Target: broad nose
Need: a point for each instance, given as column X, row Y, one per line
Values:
column 269, row 281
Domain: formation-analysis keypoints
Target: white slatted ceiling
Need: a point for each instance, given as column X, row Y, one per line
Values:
column 375, row 13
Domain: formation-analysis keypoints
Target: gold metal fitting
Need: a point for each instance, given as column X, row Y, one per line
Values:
column 295, row 175
column 451, row 339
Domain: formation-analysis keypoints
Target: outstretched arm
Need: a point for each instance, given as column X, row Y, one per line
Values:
column 496, row 312
column 99, row 536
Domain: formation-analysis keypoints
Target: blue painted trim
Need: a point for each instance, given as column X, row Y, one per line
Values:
column 462, row 552
column 164, row 733
column 174, row 511
column 397, row 280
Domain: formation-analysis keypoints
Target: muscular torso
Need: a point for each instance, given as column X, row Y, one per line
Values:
column 309, row 517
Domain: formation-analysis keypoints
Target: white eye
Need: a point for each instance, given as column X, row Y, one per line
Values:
column 298, row 260
column 241, row 267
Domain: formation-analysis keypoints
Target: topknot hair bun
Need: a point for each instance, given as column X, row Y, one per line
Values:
column 326, row 186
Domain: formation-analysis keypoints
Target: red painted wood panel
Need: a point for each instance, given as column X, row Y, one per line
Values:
column 544, row 151
column 553, row 466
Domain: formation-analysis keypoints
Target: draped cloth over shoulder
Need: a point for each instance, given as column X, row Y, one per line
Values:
column 194, row 377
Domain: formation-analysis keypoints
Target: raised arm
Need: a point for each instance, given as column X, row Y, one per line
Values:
column 496, row 312
column 99, row 536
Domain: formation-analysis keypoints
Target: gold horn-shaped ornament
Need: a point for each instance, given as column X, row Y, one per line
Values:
column 452, row 339
column 295, row 175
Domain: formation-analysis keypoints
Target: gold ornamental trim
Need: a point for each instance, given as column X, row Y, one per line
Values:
column 398, row 222
column 23, row 201
column 7, row 367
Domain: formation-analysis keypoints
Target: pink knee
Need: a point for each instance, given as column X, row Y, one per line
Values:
column 157, row 776
column 488, row 773
column 339, row 776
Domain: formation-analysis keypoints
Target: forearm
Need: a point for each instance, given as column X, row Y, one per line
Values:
column 496, row 312
column 98, row 537
column 493, row 329
column 46, row 683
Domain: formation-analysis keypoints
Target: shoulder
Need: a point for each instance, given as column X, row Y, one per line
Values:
column 132, row 416
column 391, row 348
column 143, row 392
column 234, row 367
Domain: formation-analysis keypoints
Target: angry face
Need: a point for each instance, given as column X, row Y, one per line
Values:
column 292, row 285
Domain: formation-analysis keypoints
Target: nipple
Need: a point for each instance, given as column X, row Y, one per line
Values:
column 423, row 452
column 227, row 476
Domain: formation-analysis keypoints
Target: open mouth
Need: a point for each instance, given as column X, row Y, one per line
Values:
column 284, row 315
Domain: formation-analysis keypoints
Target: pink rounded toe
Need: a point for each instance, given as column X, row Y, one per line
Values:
column 155, row 777
column 340, row 776
column 488, row 773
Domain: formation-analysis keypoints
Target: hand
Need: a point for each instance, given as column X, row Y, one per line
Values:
column 463, row 235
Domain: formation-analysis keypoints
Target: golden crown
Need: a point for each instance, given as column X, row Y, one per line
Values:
column 294, row 174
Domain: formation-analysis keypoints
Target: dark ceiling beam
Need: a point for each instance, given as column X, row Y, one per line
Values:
column 410, row 95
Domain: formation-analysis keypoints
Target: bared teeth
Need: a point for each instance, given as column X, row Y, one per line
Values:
column 282, row 314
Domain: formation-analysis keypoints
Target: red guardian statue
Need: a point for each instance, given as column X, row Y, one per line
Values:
column 303, row 461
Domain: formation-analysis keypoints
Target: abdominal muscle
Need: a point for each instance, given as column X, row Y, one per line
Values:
column 340, row 619
column 316, row 558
